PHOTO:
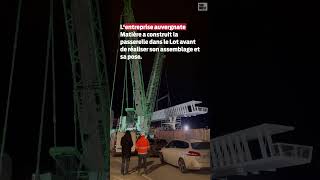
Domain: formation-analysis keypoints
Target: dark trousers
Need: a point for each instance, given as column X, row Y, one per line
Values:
column 125, row 165
column 142, row 163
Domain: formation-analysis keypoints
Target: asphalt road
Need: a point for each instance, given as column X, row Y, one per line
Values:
column 156, row 171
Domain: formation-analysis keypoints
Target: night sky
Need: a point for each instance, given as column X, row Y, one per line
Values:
column 261, row 67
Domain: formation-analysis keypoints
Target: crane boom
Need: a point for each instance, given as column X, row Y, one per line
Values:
column 91, row 89
column 153, row 86
column 144, row 103
column 154, row 81
column 135, row 67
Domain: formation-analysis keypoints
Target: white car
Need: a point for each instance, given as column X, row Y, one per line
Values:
column 186, row 154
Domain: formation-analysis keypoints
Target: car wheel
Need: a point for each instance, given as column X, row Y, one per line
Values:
column 161, row 158
column 182, row 166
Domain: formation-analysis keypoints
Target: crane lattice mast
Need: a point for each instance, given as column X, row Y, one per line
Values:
column 144, row 103
column 90, row 82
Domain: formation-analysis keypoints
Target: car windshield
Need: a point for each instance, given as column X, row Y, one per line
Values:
column 200, row 145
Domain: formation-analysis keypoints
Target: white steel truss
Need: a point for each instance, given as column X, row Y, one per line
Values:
column 231, row 154
column 171, row 117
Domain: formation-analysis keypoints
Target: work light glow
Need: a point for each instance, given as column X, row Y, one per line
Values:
column 186, row 127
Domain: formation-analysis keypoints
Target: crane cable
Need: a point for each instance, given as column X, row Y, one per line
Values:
column 124, row 87
column 127, row 95
column 167, row 85
column 44, row 96
column 115, row 70
column 53, row 81
column 10, row 85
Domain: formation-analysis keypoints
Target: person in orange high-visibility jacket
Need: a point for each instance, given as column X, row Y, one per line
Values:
column 142, row 147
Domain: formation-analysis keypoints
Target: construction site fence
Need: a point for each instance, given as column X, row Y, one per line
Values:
column 201, row 134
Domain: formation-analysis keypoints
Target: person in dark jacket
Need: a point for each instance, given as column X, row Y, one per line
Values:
column 126, row 144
